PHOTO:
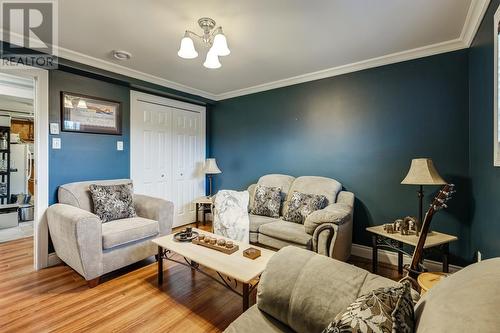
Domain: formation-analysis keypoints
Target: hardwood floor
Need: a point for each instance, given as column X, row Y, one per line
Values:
column 57, row 299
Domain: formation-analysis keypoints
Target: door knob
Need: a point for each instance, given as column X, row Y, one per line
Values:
column 162, row 175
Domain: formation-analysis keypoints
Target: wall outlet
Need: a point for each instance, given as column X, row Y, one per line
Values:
column 119, row 145
column 479, row 256
column 56, row 143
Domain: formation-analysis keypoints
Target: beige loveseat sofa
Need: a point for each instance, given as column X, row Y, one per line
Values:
column 327, row 231
column 93, row 248
column 303, row 292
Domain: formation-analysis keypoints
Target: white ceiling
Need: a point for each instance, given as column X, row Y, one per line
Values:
column 273, row 42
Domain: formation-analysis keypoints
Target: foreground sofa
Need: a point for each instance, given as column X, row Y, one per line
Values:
column 93, row 248
column 327, row 231
column 303, row 292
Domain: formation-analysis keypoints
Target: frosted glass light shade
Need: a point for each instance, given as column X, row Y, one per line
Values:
column 211, row 167
column 187, row 50
column 423, row 172
column 220, row 45
column 212, row 60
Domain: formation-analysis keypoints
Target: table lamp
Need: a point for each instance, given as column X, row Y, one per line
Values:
column 210, row 169
column 422, row 172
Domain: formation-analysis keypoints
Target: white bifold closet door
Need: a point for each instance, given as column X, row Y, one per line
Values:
column 168, row 151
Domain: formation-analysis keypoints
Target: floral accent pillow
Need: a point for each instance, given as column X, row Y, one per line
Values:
column 113, row 202
column 383, row 310
column 301, row 205
column 267, row 201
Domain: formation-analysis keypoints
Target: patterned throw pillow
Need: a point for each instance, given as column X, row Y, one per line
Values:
column 267, row 201
column 301, row 205
column 383, row 310
column 113, row 202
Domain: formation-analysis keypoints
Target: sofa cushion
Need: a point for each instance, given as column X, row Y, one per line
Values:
column 257, row 220
column 254, row 320
column 306, row 291
column 113, row 202
column 267, row 201
column 78, row 194
column 277, row 244
column 301, row 205
column 286, row 231
column 276, row 180
column 120, row 232
column 316, row 185
column 469, row 298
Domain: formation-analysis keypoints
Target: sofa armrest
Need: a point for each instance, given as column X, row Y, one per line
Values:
column 306, row 291
column 77, row 238
column 251, row 194
column 345, row 197
column 155, row 209
column 337, row 213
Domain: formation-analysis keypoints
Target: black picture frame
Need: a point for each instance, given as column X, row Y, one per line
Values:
column 88, row 114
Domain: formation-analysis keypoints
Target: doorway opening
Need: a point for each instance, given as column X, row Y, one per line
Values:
column 25, row 184
column 17, row 159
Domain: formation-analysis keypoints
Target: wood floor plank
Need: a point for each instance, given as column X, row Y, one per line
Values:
column 57, row 299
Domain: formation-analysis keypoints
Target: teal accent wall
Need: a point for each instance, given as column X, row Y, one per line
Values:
column 94, row 156
column 485, row 177
column 362, row 129
column 86, row 156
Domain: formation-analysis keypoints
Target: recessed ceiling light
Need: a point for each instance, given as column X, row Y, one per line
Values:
column 121, row 55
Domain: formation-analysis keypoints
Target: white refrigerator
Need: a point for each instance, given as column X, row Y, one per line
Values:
column 21, row 155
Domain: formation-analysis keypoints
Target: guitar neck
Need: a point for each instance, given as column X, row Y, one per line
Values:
column 438, row 203
column 417, row 255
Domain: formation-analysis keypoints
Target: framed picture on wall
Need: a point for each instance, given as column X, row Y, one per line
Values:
column 87, row 114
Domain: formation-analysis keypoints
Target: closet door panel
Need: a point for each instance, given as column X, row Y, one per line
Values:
column 151, row 149
column 168, row 152
column 188, row 160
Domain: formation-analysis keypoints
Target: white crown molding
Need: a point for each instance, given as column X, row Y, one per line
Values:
column 420, row 52
column 391, row 258
column 475, row 15
column 119, row 69
column 473, row 19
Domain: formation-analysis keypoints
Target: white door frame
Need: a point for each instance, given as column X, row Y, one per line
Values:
column 136, row 97
column 41, row 110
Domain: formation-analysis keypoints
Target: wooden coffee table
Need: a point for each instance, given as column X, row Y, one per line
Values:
column 230, row 268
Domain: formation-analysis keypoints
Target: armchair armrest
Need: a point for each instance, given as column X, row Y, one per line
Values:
column 155, row 209
column 337, row 213
column 77, row 238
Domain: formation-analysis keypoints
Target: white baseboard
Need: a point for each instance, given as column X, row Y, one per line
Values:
column 389, row 257
column 53, row 260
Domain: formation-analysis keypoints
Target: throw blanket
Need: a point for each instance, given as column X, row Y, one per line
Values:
column 231, row 215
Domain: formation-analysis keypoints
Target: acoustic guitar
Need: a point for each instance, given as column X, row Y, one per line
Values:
column 439, row 202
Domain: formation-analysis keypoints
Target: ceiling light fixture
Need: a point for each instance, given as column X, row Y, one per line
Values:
column 212, row 37
column 121, row 55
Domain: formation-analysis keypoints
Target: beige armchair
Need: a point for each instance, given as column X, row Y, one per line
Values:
column 327, row 231
column 93, row 248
